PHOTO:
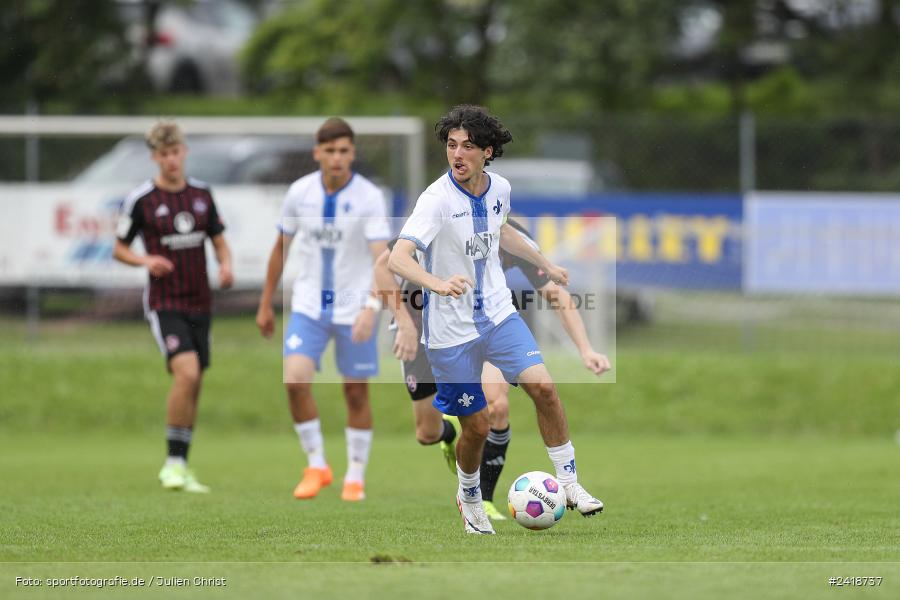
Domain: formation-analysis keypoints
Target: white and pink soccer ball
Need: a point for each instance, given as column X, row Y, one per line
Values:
column 537, row 500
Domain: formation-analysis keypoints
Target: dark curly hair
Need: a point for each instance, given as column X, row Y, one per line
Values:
column 483, row 128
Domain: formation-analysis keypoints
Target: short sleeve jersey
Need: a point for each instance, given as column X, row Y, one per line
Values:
column 174, row 225
column 459, row 234
column 411, row 293
column 332, row 233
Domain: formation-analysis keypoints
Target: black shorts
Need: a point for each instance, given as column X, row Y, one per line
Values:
column 178, row 332
column 418, row 376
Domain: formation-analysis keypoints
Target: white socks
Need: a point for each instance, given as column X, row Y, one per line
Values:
column 310, row 434
column 469, row 485
column 359, row 441
column 563, row 458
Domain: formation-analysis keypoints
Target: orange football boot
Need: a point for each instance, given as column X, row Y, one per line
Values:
column 313, row 480
column 354, row 491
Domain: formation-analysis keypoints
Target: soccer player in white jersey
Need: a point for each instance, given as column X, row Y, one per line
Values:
column 459, row 224
column 341, row 221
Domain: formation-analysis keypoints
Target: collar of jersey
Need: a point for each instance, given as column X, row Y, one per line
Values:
column 464, row 191
column 340, row 189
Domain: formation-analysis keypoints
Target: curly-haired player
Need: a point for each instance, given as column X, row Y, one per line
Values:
column 459, row 224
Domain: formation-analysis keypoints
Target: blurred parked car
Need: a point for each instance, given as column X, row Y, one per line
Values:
column 216, row 160
column 555, row 177
column 193, row 46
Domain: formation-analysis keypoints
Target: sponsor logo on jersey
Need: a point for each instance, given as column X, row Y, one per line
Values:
column 464, row 213
column 161, row 211
column 532, row 352
column 479, row 245
column 182, row 241
column 327, row 236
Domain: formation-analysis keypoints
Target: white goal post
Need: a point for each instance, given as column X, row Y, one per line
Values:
column 409, row 128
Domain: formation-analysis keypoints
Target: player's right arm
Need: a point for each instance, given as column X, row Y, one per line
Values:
column 130, row 223
column 265, row 314
column 419, row 231
column 402, row 263
column 159, row 266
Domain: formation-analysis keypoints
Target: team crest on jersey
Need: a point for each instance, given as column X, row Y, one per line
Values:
column 498, row 207
column 199, row 206
column 184, row 222
column 479, row 245
column 161, row 211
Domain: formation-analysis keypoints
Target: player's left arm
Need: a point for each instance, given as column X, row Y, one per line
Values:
column 214, row 229
column 223, row 257
column 515, row 243
column 561, row 301
column 364, row 324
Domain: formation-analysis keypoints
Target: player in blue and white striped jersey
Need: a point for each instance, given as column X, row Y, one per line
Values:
column 459, row 224
column 340, row 222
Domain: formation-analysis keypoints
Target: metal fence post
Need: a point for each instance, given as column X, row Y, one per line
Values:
column 32, row 147
column 747, row 133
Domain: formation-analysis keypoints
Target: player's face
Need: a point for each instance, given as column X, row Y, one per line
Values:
column 170, row 160
column 465, row 158
column 335, row 157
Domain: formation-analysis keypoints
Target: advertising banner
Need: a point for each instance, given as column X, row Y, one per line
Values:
column 822, row 243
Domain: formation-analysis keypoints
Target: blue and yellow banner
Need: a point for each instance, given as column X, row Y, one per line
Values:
column 663, row 240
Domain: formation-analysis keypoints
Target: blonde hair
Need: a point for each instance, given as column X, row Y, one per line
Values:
column 164, row 133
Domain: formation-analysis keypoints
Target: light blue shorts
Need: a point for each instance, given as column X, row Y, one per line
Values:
column 309, row 337
column 508, row 346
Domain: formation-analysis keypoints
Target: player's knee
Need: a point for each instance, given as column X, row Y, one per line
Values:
column 477, row 425
column 543, row 392
column 500, row 409
column 187, row 373
column 426, row 436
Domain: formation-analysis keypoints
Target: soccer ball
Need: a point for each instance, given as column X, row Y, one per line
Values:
column 537, row 500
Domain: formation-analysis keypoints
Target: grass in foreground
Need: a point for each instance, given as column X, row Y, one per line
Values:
column 682, row 500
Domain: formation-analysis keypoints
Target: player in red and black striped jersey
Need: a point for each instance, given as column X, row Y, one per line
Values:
column 174, row 215
column 405, row 301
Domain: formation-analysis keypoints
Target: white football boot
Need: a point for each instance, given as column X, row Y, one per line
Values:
column 475, row 520
column 578, row 498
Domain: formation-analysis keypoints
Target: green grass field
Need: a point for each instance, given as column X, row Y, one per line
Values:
column 751, row 474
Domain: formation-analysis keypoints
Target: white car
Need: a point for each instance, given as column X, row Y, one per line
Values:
column 195, row 45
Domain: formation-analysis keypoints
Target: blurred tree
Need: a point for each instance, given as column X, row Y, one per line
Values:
column 344, row 52
column 596, row 55
column 57, row 49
